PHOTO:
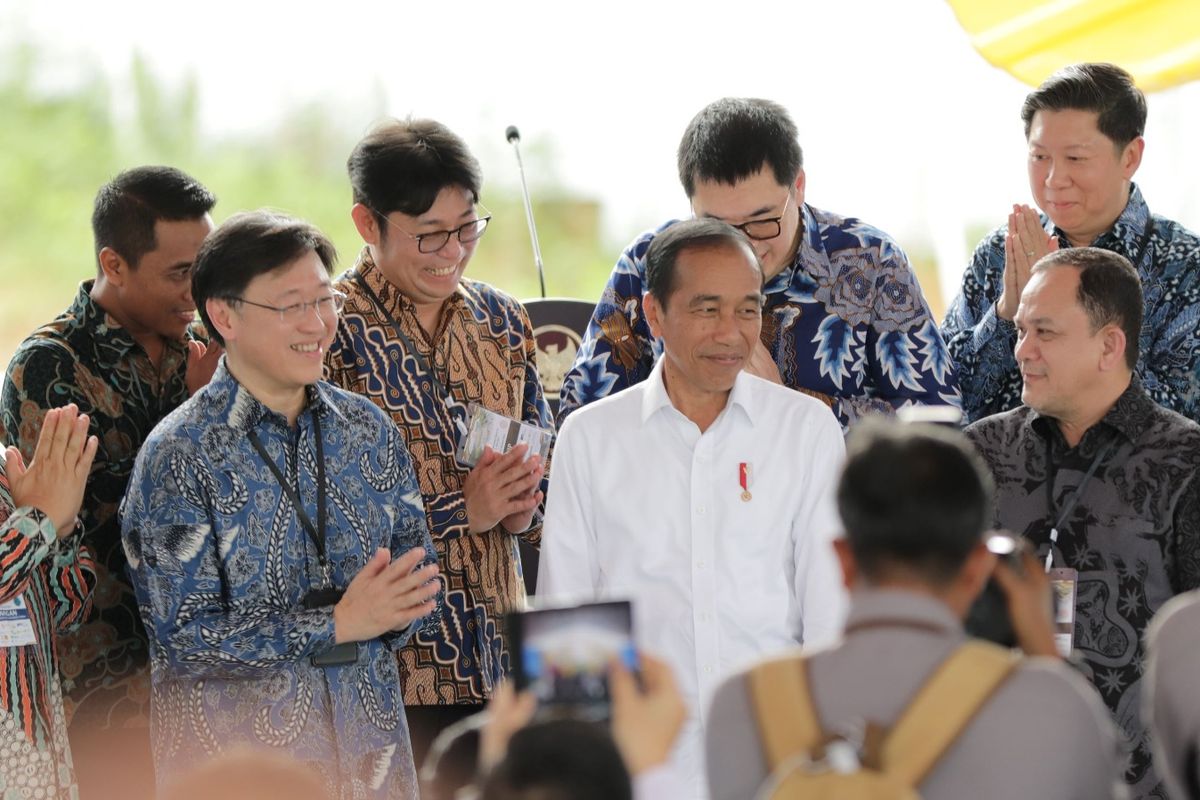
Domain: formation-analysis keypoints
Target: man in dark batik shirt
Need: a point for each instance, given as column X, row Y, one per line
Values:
column 1092, row 471
column 122, row 352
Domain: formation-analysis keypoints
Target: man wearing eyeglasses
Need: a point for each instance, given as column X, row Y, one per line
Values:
column 844, row 318
column 276, row 539
column 423, row 343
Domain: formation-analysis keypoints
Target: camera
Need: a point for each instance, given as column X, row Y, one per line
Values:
column 989, row 618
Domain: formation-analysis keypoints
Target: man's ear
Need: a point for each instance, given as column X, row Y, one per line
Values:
column 1112, row 353
column 976, row 570
column 113, row 265
column 654, row 312
column 801, row 182
column 846, row 559
column 221, row 316
column 1131, row 157
column 365, row 223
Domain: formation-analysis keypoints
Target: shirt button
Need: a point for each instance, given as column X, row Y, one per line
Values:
column 707, row 669
column 699, row 565
column 700, row 510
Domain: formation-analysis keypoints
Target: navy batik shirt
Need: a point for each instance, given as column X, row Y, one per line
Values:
column 845, row 321
column 1169, row 366
column 220, row 563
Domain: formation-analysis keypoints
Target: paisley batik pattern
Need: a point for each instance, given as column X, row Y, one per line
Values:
column 846, row 322
column 220, row 564
column 981, row 343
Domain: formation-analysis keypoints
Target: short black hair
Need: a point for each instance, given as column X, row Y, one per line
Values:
column 249, row 244
column 563, row 759
column 126, row 208
column 1110, row 291
column 404, row 165
column 732, row 138
column 693, row 234
column 913, row 496
column 1104, row 88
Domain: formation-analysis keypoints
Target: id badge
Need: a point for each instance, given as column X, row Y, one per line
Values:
column 1064, row 582
column 16, row 627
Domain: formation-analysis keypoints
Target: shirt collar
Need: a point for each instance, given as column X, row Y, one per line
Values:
column 244, row 411
column 810, row 250
column 880, row 607
column 1130, row 416
column 390, row 295
column 113, row 341
column 656, row 397
column 1126, row 233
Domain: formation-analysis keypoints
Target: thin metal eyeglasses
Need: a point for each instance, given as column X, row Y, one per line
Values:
column 762, row 229
column 435, row 240
column 328, row 306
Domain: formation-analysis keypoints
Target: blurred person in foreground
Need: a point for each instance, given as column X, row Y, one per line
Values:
column 580, row 760
column 915, row 502
column 46, row 581
column 1169, row 701
column 276, row 536
column 124, row 353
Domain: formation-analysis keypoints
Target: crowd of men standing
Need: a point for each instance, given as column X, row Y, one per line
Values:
column 276, row 545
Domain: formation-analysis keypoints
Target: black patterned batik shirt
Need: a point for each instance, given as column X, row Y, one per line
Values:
column 85, row 357
column 1133, row 535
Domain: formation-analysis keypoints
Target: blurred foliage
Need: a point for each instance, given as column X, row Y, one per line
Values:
column 57, row 148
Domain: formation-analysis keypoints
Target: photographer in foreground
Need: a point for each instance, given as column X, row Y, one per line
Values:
column 915, row 501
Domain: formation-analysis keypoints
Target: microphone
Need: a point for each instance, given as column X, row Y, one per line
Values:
column 513, row 136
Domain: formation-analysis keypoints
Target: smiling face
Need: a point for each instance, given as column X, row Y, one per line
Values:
column 757, row 197
column 1078, row 176
column 154, row 297
column 273, row 358
column 427, row 279
column 710, row 323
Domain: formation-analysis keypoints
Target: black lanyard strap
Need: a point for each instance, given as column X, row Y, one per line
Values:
column 315, row 532
column 425, row 366
column 1073, row 498
column 1144, row 243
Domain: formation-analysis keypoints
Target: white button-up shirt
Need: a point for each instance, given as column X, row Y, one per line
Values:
column 644, row 506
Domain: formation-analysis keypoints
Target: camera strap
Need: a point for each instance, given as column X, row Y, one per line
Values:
column 315, row 532
column 1073, row 498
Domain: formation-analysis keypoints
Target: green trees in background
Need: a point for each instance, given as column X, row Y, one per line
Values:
column 57, row 148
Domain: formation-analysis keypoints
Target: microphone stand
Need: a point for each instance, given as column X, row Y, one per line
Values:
column 514, row 138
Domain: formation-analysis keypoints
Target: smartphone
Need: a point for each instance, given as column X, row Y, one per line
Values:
column 563, row 653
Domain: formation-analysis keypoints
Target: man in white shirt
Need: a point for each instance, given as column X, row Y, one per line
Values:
column 704, row 494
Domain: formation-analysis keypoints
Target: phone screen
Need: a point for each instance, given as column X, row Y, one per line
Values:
column 562, row 654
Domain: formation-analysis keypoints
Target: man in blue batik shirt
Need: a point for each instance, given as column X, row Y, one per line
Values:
column 275, row 534
column 844, row 320
column 1084, row 128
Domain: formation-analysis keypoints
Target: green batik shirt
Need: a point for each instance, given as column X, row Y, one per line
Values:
column 85, row 357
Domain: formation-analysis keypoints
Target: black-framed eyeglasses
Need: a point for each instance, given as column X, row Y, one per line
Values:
column 763, row 229
column 435, row 240
column 328, row 306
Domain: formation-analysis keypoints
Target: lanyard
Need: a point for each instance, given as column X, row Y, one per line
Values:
column 441, row 393
column 1145, row 242
column 315, row 532
column 1051, row 474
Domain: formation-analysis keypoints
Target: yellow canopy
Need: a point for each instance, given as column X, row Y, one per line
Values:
column 1157, row 41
